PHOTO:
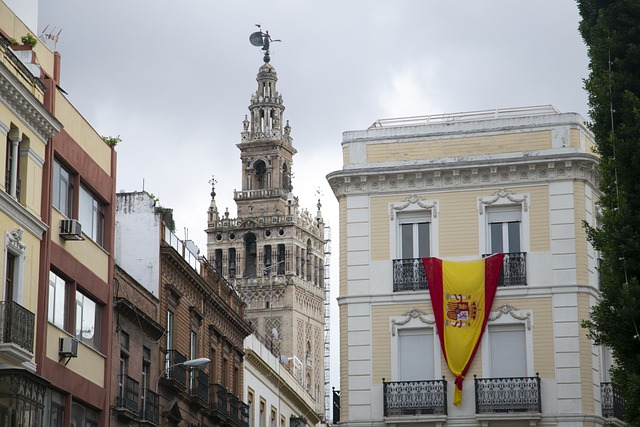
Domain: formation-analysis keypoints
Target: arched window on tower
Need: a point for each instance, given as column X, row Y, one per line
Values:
column 309, row 260
column 286, row 177
column 251, row 255
column 260, row 172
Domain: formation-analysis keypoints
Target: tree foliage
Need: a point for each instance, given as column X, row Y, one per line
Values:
column 611, row 30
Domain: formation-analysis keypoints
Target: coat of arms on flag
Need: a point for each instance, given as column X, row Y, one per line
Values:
column 461, row 295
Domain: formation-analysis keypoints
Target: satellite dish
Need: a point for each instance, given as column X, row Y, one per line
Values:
column 256, row 38
column 274, row 334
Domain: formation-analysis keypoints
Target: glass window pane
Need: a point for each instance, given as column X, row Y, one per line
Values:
column 495, row 231
column 514, row 236
column 406, row 236
column 87, row 321
column 423, row 240
column 85, row 209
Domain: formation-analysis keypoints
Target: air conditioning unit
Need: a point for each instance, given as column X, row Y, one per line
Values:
column 70, row 229
column 68, row 347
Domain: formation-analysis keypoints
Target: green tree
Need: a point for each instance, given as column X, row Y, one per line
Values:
column 611, row 31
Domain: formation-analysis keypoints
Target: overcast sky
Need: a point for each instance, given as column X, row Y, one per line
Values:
column 174, row 80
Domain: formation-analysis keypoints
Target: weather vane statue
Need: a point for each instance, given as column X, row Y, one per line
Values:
column 263, row 40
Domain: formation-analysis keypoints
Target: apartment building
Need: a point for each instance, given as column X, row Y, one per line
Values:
column 458, row 187
column 192, row 373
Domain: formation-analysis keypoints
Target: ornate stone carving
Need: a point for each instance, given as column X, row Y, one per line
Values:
column 414, row 313
column 513, row 312
column 502, row 194
column 413, row 200
column 14, row 240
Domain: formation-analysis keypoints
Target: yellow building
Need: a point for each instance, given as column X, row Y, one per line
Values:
column 460, row 186
column 57, row 219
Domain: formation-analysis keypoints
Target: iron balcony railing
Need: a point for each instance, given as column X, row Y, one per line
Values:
column 199, row 384
column 16, row 325
column 514, row 269
column 128, row 393
column 150, row 411
column 176, row 372
column 220, row 398
column 234, row 409
column 409, row 275
column 244, row 414
column 612, row 401
column 427, row 397
column 507, row 395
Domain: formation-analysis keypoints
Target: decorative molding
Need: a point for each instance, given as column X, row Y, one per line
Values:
column 502, row 194
column 17, row 98
column 414, row 200
column 513, row 312
column 14, row 240
column 414, row 313
column 14, row 210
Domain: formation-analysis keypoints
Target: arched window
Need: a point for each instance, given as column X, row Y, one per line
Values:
column 260, row 172
column 286, row 177
column 251, row 255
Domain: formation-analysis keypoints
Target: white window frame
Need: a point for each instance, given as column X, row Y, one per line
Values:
column 507, row 315
column 14, row 245
column 415, row 319
column 413, row 208
column 504, row 198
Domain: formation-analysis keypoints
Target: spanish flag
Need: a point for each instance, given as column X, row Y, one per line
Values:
column 461, row 295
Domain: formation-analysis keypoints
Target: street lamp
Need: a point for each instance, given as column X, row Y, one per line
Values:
column 193, row 363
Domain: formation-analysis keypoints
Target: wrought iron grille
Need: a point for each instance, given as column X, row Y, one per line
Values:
column 409, row 275
column 234, row 410
column 336, row 405
column 244, row 414
column 16, row 325
column 414, row 397
column 128, row 393
column 150, row 407
column 221, row 395
column 507, row 395
column 514, row 269
column 176, row 373
column 612, row 401
column 199, row 384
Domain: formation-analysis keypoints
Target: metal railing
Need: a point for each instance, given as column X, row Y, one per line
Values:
column 514, row 269
column 199, row 384
column 612, row 402
column 150, row 410
column 244, row 414
column 414, row 397
column 409, row 275
column 234, row 409
column 128, row 393
column 176, row 374
column 16, row 325
column 507, row 395
column 220, row 398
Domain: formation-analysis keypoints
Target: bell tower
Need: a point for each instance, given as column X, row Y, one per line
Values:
column 272, row 253
column 266, row 152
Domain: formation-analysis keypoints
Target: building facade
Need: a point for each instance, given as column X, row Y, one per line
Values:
column 273, row 252
column 460, row 186
column 202, row 319
column 58, row 257
column 274, row 396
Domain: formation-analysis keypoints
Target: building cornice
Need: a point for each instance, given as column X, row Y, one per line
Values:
column 464, row 173
column 21, row 215
column 26, row 106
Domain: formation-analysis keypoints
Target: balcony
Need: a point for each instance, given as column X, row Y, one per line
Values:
column 175, row 376
column 150, row 408
column 612, row 402
column 244, row 414
column 218, row 402
column 127, row 402
column 234, row 410
column 414, row 398
column 409, row 275
column 514, row 269
column 16, row 332
column 199, row 386
column 508, row 395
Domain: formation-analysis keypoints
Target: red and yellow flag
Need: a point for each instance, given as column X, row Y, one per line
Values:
column 461, row 295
